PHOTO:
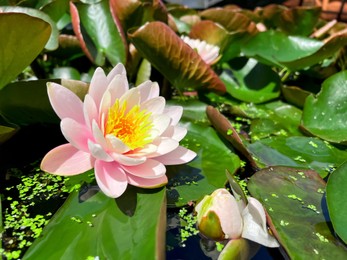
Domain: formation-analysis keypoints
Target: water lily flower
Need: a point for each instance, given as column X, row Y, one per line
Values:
column 208, row 52
column 126, row 135
column 220, row 216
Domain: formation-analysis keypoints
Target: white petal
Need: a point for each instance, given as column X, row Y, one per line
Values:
column 155, row 105
column 164, row 145
column 118, row 69
column 118, row 86
column 148, row 90
column 98, row 152
column 175, row 132
column 160, row 124
column 128, row 161
column 175, row 113
column 116, row 145
column 147, row 149
column 90, row 111
column 254, row 221
column 132, row 98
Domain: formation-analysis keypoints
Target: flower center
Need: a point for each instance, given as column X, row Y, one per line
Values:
column 132, row 127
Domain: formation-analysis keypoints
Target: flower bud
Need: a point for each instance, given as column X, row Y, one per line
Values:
column 219, row 216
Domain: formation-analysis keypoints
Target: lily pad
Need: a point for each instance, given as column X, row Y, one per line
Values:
column 336, row 200
column 325, row 115
column 23, row 37
column 250, row 81
column 206, row 172
column 294, row 199
column 93, row 225
column 299, row 152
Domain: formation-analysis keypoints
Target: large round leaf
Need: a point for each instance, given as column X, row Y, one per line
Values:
column 52, row 43
column 191, row 181
column 250, row 81
column 294, row 200
column 88, row 225
column 178, row 62
column 22, row 38
column 336, row 200
column 325, row 115
column 298, row 151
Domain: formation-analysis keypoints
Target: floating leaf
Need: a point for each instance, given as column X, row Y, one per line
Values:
column 250, row 81
column 298, row 151
column 295, row 202
column 93, row 225
column 24, row 103
column 179, row 63
column 325, row 115
column 336, row 200
column 6, row 133
column 23, row 37
column 51, row 44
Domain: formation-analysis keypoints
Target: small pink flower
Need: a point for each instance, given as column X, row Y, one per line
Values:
column 208, row 52
column 126, row 135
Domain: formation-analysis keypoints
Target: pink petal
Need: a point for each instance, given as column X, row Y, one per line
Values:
column 155, row 105
column 67, row 160
column 175, row 132
column 118, row 86
column 98, row 152
column 175, row 113
column 178, row 156
column 148, row 90
column 111, row 179
column 126, row 160
column 75, row 133
column 98, row 86
column 164, row 145
column 148, row 149
column 119, row 69
column 147, row 183
column 99, row 135
column 90, row 111
column 65, row 103
column 105, row 105
column 149, row 169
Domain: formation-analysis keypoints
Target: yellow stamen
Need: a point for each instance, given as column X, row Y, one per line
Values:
column 132, row 127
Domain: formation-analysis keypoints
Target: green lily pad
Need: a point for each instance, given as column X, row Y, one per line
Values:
column 298, row 151
column 292, row 52
column 52, row 42
column 336, row 200
column 325, row 115
column 6, row 133
column 22, row 38
column 250, row 81
column 93, row 225
column 179, row 63
column 191, row 181
column 294, row 200
column 26, row 102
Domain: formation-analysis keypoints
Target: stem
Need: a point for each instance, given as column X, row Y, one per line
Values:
column 286, row 73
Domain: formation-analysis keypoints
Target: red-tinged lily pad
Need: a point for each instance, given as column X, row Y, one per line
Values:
column 298, row 152
column 93, row 225
column 295, row 202
column 97, row 32
column 325, row 115
column 22, row 38
column 292, row 52
column 250, row 81
column 336, row 200
column 179, row 63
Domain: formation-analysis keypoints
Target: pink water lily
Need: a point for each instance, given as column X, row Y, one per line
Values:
column 208, row 52
column 126, row 135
